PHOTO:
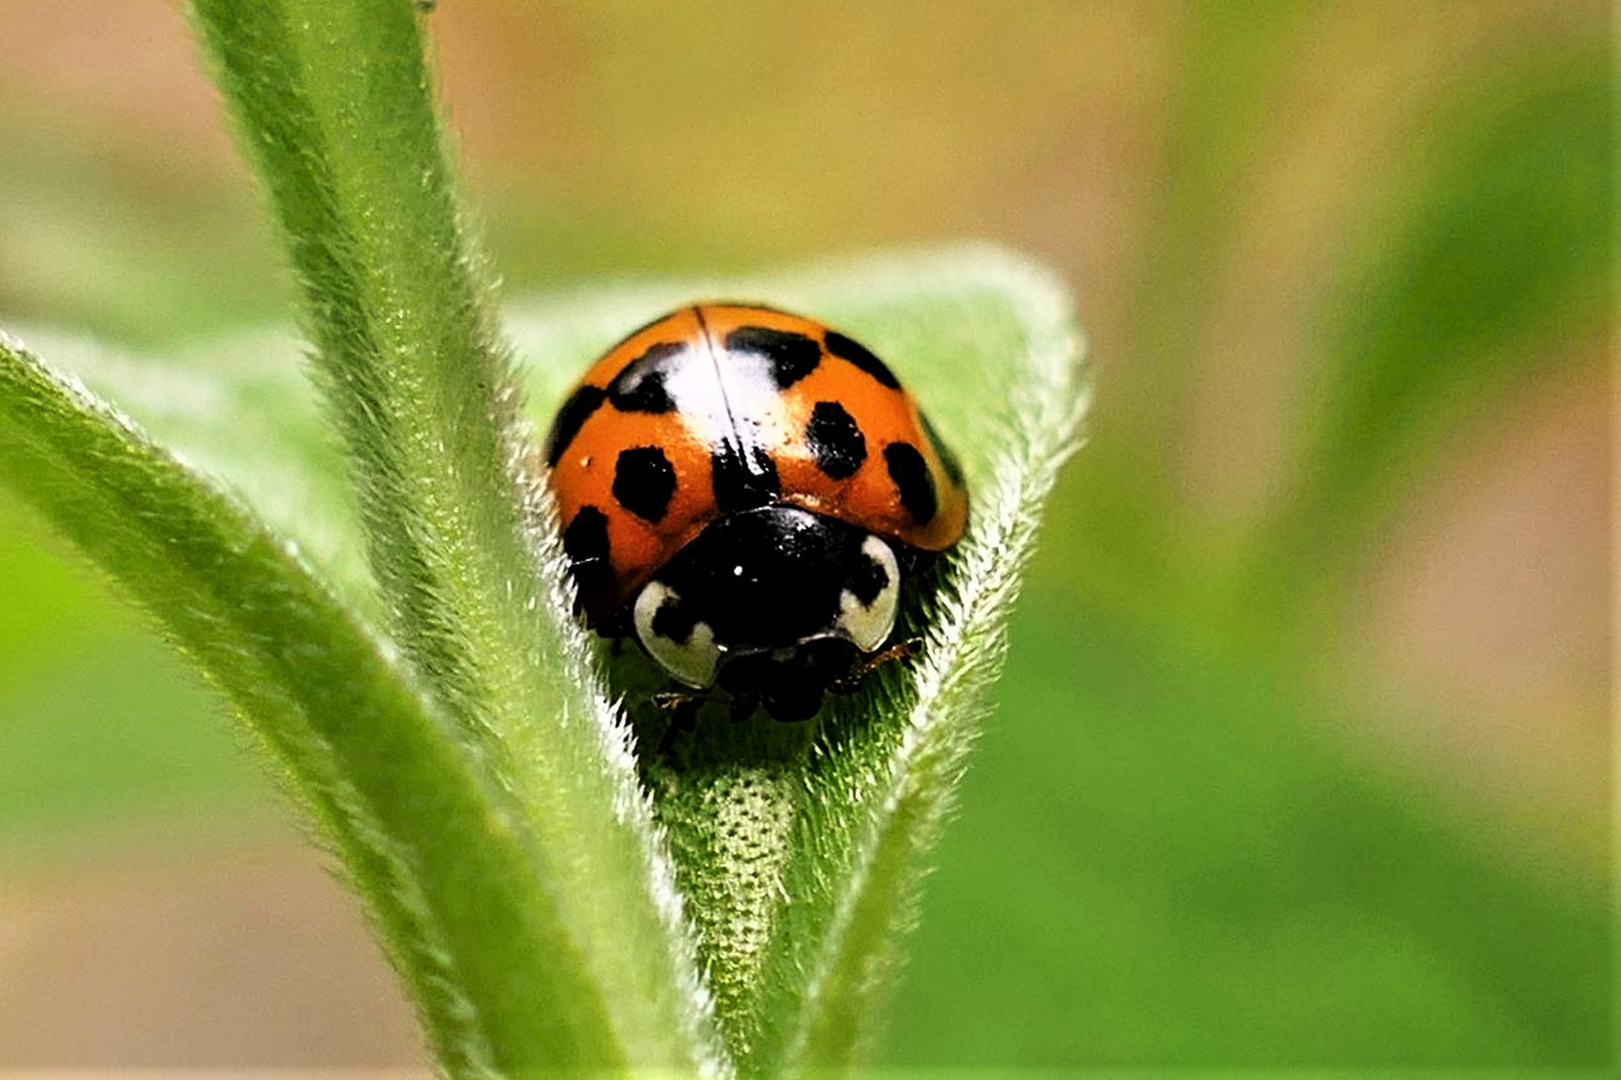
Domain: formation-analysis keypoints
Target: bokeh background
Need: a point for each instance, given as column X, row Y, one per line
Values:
column 1303, row 756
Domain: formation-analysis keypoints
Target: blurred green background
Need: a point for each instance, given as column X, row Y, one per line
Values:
column 1303, row 756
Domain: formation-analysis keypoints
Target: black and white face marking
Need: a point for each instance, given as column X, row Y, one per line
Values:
column 867, row 617
column 777, row 602
column 683, row 646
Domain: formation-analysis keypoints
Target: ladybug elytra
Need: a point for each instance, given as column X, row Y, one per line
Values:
column 743, row 491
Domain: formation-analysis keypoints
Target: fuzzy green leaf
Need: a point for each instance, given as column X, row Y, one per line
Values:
column 239, row 410
column 448, row 883
column 800, row 847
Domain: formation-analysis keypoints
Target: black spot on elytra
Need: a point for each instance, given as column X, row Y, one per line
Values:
column 835, row 440
column 585, row 542
column 570, row 418
column 948, row 460
column 791, row 356
column 744, row 482
column 644, row 480
column 911, row 475
column 867, row 579
column 862, row 357
column 586, row 538
column 674, row 621
column 640, row 384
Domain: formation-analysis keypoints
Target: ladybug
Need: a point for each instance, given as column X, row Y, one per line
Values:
column 741, row 490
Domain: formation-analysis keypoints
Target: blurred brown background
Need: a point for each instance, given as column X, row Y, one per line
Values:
column 1305, row 754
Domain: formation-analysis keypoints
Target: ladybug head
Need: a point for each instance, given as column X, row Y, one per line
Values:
column 774, row 602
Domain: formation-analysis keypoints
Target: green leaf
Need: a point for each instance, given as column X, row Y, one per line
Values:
column 238, row 409
column 800, row 847
column 446, row 880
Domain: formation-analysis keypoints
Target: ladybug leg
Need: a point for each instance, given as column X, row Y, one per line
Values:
column 682, row 709
column 901, row 650
column 672, row 701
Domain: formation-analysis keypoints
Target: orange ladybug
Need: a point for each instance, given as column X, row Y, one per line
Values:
column 742, row 490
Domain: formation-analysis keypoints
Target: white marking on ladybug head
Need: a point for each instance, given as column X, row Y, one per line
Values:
column 869, row 625
column 691, row 660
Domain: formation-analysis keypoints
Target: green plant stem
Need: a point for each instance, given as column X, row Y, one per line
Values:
column 333, row 103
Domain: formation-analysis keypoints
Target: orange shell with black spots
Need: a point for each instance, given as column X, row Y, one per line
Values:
column 718, row 408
